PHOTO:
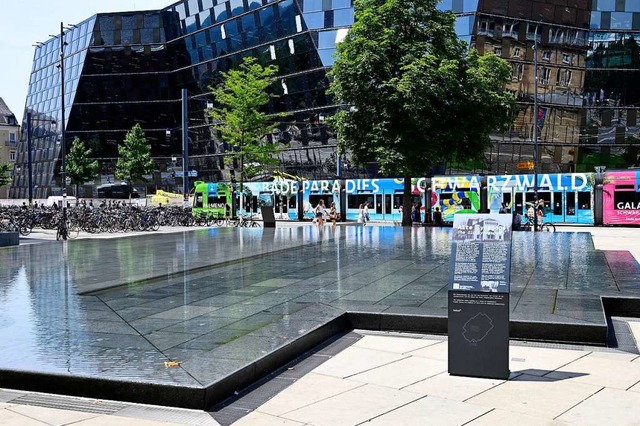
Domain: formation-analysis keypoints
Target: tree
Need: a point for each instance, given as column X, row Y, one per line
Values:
column 242, row 97
column 5, row 174
column 135, row 158
column 79, row 166
column 418, row 98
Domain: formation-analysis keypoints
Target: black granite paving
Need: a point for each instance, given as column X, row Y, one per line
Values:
column 102, row 317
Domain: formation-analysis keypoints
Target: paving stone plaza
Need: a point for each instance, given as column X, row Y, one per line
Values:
column 187, row 319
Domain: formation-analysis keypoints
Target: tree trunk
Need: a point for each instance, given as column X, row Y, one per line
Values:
column 406, row 202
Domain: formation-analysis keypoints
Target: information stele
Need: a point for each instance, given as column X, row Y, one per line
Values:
column 478, row 324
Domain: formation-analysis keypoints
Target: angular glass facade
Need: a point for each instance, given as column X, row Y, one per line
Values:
column 127, row 68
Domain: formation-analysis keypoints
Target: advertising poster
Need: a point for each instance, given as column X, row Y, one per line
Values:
column 479, row 296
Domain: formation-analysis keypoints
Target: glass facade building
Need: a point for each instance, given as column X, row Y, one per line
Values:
column 127, row 68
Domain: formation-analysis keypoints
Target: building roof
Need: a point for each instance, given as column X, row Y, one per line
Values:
column 6, row 116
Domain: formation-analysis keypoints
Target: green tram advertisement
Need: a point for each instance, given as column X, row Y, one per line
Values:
column 212, row 199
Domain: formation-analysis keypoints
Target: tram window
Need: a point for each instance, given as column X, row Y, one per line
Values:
column 387, row 203
column 354, row 200
column 584, row 200
column 571, row 204
column 519, row 201
column 216, row 200
column 292, row 202
column 397, row 201
column 506, row 198
column 625, row 200
column 198, row 203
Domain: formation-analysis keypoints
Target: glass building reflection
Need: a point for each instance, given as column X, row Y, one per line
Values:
column 123, row 68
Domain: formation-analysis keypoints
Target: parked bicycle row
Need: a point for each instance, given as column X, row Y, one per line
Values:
column 114, row 218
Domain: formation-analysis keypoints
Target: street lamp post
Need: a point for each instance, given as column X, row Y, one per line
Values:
column 535, row 130
column 29, row 159
column 62, row 229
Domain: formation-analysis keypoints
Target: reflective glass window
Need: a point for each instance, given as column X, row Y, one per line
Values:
column 193, row 7
column 201, row 39
column 190, row 24
column 606, row 5
column 248, row 23
column 326, row 56
column 286, row 10
column 126, row 37
column 129, row 22
column 151, row 21
column 469, row 6
column 326, row 39
column 632, row 6
column 205, row 18
column 341, row 4
column 312, row 5
column 343, row 17
column 595, row 20
column 254, row 4
column 220, row 12
column 207, row 4
column 621, row 20
column 266, row 17
column 314, row 20
column 181, row 11
column 237, row 7
column 464, row 25
column 215, row 34
column 146, row 35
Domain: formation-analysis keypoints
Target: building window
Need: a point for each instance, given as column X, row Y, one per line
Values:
column 546, row 55
column 12, row 138
column 12, row 156
column 486, row 28
column 564, row 77
column 545, row 75
column 497, row 51
column 532, row 32
column 516, row 52
column 566, row 58
column 517, row 71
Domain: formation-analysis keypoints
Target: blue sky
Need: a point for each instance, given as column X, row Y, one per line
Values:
column 25, row 22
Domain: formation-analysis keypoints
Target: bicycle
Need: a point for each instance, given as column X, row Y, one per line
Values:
column 542, row 226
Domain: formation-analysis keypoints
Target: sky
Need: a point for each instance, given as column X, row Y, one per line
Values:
column 25, row 22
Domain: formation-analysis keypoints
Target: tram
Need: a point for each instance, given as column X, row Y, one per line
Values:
column 612, row 198
column 621, row 198
column 567, row 198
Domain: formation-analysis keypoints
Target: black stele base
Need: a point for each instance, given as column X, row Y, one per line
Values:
column 479, row 334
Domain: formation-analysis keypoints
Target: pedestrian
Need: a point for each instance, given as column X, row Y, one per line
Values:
column 361, row 214
column 319, row 210
column 365, row 212
column 437, row 217
column 517, row 220
column 333, row 213
column 503, row 208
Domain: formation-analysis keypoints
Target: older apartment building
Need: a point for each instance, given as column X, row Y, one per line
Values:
column 9, row 135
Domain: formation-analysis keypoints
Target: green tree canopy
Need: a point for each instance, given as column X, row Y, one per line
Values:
column 418, row 98
column 5, row 174
column 80, row 168
column 135, row 157
column 241, row 119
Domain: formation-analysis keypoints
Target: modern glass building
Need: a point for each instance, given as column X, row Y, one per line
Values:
column 127, row 68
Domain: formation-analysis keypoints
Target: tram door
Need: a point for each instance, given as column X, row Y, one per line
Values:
column 570, row 207
column 388, row 211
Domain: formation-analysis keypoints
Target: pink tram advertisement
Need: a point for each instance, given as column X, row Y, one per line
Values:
column 621, row 198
